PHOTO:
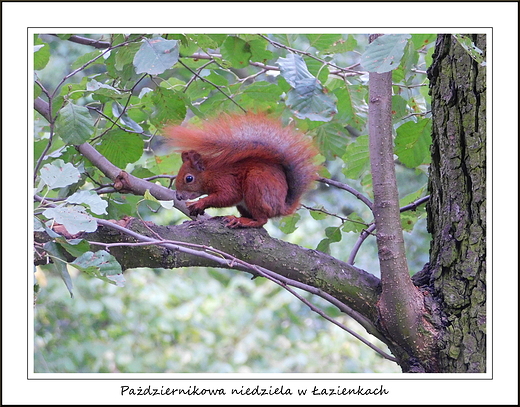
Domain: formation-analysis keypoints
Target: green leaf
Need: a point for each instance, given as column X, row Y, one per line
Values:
column 398, row 76
column 259, row 53
column 286, row 39
column 350, row 104
column 428, row 59
column 218, row 77
column 199, row 89
column 333, row 236
column 149, row 197
column 342, row 45
column 83, row 59
column 412, row 143
column 332, row 139
column 116, row 39
column 121, row 148
column 117, row 111
column 163, row 164
column 156, row 55
column 324, row 246
column 104, row 90
column 288, row 223
column 399, row 107
column 259, row 97
column 263, row 91
column 354, row 223
column 409, row 60
column 75, row 91
column 236, row 51
column 418, row 103
column 413, row 196
column 316, row 68
column 203, row 41
column 74, row 218
column 218, row 38
column 170, row 106
column 125, row 55
column 323, row 41
column 76, row 247
column 409, row 219
column 308, row 101
column 333, row 233
column 42, row 55
column 39, row 147
column 474, row 52
column 293, row 69
column 127, row 73
column 318, row 215
column 38, row 225
column 122, row 205
column 90, row 198
column 102, row 265
column 384, row 53
column 165, row 204
column 37, row 90
column 57, row 103
column 74, row 124
column 59, row 264
column 357, row 158
column 58, row 174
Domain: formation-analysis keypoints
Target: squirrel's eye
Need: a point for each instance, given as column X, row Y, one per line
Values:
column 189, row 178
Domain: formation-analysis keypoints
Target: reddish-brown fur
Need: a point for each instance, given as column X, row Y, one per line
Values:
column 250, row 161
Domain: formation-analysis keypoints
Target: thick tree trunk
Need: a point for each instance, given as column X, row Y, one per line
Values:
column 457, row 207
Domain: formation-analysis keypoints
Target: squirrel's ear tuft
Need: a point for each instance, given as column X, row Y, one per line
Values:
column 194, row 158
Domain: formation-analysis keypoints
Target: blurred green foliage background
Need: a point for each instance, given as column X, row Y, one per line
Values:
column 190, row 320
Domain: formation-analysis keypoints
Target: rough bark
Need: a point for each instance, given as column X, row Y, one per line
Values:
column 457, row 206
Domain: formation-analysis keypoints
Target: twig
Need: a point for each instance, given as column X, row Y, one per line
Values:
column 348, row 188
column 45, row 150
column 362, row 237
column 114, row 122
column 413, row 206
column 308, row 54
column 212, row 84
column 342, row 218
column 87, row 41
column 75, row 71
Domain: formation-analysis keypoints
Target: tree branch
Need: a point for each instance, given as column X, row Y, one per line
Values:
column 42, row 107
column 125, row 182
column 348, row 188
column 401, row 305
column 349, row 285
column 233, row 262
column 87, row 41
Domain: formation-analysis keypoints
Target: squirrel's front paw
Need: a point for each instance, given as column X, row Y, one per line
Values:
column 195, row 208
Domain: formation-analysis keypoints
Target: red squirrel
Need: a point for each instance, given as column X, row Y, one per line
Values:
column 249, row 161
